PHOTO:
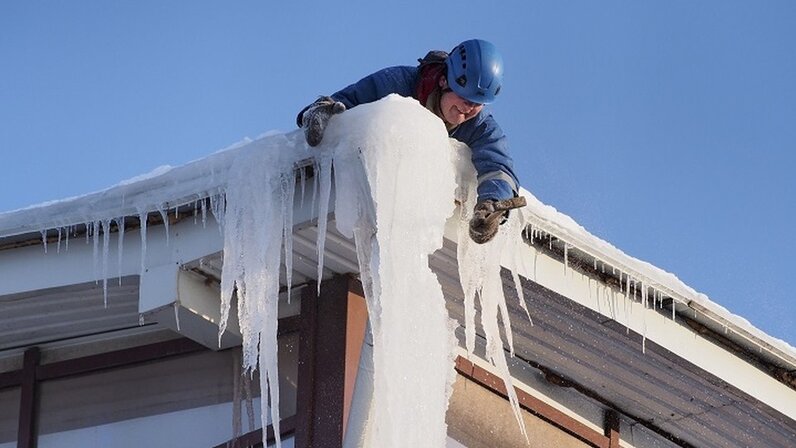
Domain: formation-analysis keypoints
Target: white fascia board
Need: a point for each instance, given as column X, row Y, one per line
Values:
column 30, row 268
column 658, row 328
column 182, row 301
column 179, row 299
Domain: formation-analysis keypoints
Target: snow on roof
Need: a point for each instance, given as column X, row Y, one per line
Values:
column 551, row 221
column 167, row 187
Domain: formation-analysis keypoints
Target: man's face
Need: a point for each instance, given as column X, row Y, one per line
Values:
column 455, row 109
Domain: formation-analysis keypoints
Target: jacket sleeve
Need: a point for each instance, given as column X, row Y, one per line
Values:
column 490, row 156
column 400, row 80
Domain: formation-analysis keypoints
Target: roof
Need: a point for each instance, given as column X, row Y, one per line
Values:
column 186, row 187
column 598, row 342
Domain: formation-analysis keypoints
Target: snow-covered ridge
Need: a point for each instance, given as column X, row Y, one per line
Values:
column 161, row 189
column 168, row 187
column 546, row 219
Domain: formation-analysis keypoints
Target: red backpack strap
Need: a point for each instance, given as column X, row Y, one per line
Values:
column 432, row 68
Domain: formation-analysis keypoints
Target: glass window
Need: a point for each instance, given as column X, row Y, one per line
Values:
column 179, row 402
column 9, row 417
column 287, row 442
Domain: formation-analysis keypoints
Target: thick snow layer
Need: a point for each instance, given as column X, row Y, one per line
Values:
column 394, row 192
column 546, row 219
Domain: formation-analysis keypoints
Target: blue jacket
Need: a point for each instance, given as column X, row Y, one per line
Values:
column 496, row 177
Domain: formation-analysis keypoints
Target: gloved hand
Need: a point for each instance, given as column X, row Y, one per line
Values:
column 488, row 215
column 316, row 117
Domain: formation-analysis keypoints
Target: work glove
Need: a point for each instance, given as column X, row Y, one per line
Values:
column 316, row 117
column 489, row 214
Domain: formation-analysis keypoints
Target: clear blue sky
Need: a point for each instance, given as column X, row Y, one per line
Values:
column 667, row 128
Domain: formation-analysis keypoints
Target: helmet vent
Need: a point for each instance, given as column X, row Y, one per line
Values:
column 461, row 80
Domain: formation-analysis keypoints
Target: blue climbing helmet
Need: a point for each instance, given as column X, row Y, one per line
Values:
column 475, row 71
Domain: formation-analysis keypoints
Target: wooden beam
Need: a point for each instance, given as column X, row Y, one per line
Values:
column 118, row 358
column 10, row 379
column 612, row 428
column 330, row 345
column 26, row 433
column 320, row 406
column 306, row 368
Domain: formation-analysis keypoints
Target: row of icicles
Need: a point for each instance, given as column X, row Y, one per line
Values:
column 93, row 231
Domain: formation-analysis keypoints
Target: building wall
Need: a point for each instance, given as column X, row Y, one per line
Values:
column 478, row 418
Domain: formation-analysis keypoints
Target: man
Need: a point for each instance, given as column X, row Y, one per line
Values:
column 455, row 87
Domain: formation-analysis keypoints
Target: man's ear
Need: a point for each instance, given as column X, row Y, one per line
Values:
column 443, row 83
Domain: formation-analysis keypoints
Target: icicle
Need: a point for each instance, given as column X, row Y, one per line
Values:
column 68, row 231
column 218, row 209
column 59, row 241
column 95, row 239
column 303, row 180
column 315, row 181
column 408, row 405
column 163, row 210
column 204, row 212
column 247, row 389
column 644, row 296
column 142, row 217
column 479, row 271
column 119, row 245
column 106, row 238
column 177, row 314
column 140, row 320
column 176, row 213
column 517, row 262
column 288, row 188
column 566, row 258
column 628, row 305
column 324, row 173
column 44, row 239
column 269, row 381
column 673, row 310
column 250, row 216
